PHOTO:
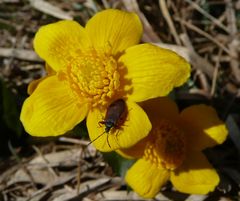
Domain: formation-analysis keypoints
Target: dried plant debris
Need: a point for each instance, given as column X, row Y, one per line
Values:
column 204, row 32
column 68, row 173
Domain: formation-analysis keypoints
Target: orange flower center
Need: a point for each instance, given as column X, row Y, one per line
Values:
column 94, row 77
column 167, row 148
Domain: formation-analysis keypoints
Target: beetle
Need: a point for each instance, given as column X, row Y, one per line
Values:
column 115, row 116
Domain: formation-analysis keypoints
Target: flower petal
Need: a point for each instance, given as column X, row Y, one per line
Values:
column 114, row 29
column 152, row 71
column 59, row 42
column 51, row 110
column 146, row 178
column 202, row 127
column 156, row 109
column 49, row 69
column 135, row 127
column 161, row 108
column 195, row 176
column 135, row 151
column 33, row 85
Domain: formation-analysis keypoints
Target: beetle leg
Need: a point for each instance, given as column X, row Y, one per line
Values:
column 108, row 141
column 100, row 123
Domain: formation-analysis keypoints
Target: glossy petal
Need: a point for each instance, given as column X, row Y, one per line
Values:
column 161, row 108
column 114, row 29
column 146, row 178
column 202, row 127
column 135, row 151
column 135, row 127
column 33, row 85
column 195, row 176
column 60, row 42
column 49, row 69
column 152, row 71
column 156, row 109
column 51, row 110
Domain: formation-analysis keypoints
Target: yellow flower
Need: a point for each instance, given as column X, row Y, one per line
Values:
column 172, row 151
column 93, row 67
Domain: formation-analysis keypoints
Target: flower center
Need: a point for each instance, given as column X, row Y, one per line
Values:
column 167, row 149
column 93, row 76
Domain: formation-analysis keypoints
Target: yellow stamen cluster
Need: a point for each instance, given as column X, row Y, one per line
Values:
column 151, row 155
column 167, row 149
column 94, row 77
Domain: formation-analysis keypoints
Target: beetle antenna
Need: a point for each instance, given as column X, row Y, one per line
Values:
column 97, row 138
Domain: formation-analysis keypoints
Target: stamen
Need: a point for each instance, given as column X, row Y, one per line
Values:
column 93, row 76
column 167, row 149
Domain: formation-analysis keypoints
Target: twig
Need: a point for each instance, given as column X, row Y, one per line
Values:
column 10, row 1
column 27, row 172
column 200, row 92
column 122, row 195
column 27, row 55
column 149, row 35
column 105, row 4
column 74, row 141
column 54, row 184
column 215, row 73
column 79, row 170
column 203, row 81
column 93, row 186
column 207, row 15
column 208, row 36
column 221, row 19
column 166, row 15
column 45, row 160
column 234, row 44
column 182, row 51
column 197, row 60
column 49, row 9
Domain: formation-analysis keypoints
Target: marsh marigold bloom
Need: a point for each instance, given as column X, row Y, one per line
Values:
column 172, row 151
column 94, row 66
